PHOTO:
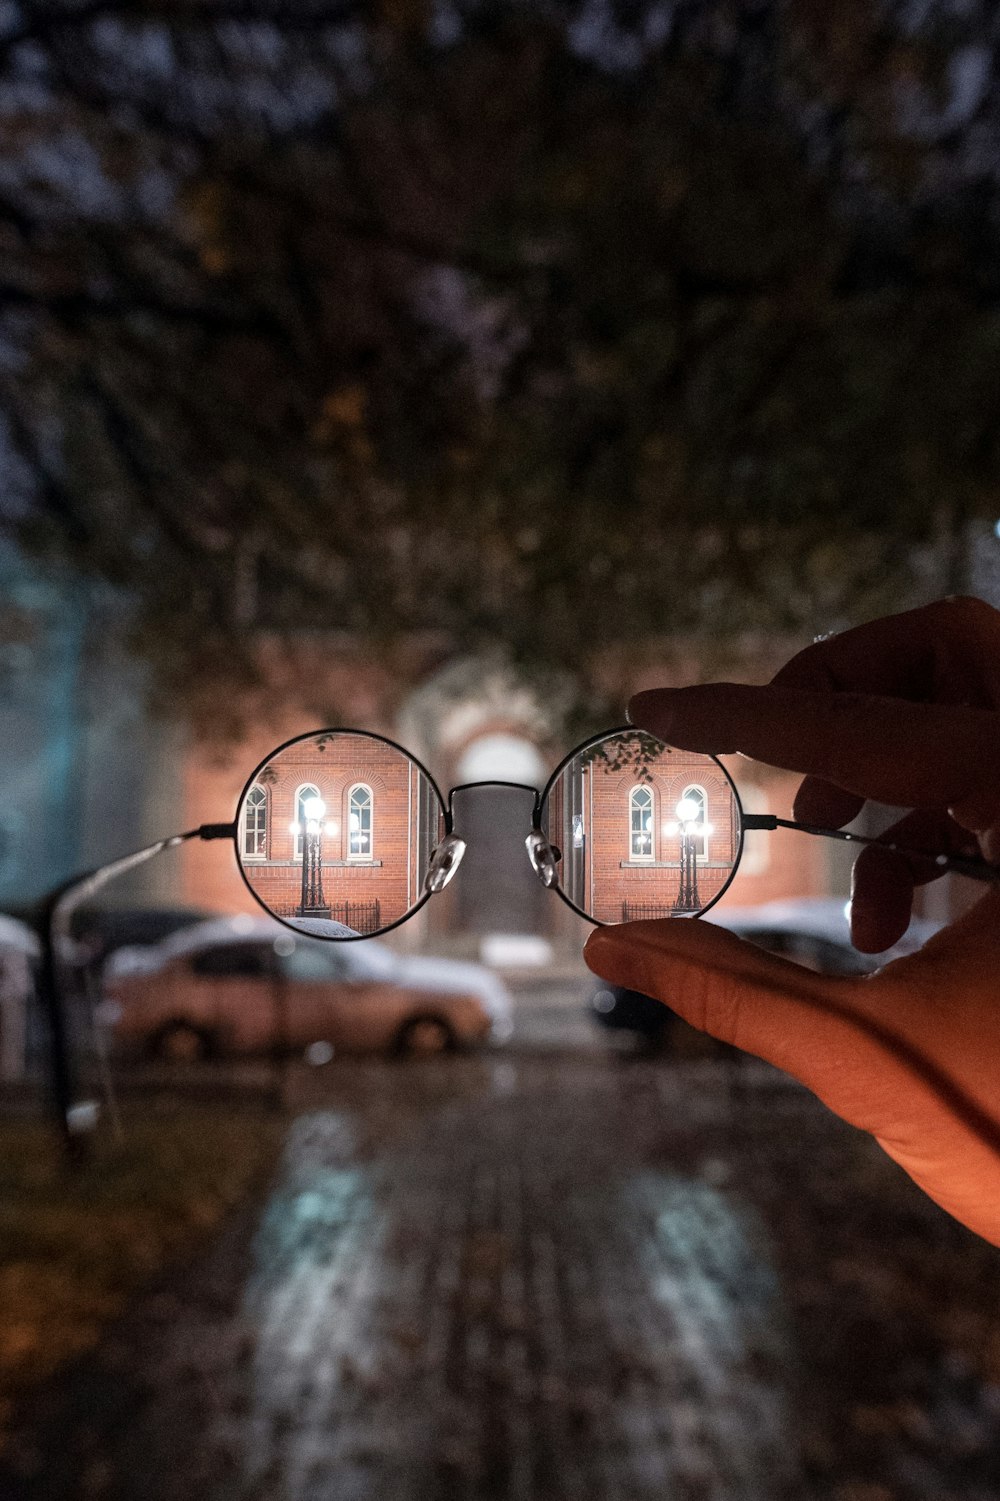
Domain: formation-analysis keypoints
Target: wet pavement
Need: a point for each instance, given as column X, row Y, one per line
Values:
column 537, row 1277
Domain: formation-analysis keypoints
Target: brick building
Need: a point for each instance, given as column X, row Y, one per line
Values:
column 470, row 722
column 372, row 819
column 87, row 773
column 643, row 833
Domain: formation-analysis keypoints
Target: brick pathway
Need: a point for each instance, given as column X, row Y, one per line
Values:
column 534, row 1280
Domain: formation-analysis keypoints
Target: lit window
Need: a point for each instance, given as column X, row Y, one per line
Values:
column 359, row 823
column 641, row 823
column 255, row 824
column 302, row 796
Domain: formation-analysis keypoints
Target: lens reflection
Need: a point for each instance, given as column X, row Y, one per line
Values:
column 335, row 833
column 645, row 830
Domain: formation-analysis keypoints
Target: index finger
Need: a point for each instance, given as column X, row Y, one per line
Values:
column 907, row 754
column 945, row 652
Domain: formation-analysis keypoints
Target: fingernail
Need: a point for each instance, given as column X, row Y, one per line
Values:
column 605, row 945
column 601, row 942
column 614, row 960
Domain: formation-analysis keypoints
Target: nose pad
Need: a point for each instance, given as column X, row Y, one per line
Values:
column 444, row 862
column 544, row 858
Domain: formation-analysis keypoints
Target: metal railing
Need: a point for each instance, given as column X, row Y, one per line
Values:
column 363, row 917
column 644, row 911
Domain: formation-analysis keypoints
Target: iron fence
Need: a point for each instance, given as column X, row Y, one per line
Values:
column 363, row 917
column 643, row 911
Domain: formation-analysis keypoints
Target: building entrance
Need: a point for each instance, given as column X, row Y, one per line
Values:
column 476, row 720
column 496, row 890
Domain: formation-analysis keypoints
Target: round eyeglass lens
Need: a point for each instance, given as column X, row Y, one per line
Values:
column 644, row 830
column 335, row 832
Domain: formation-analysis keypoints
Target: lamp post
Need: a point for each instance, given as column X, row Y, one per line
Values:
column 313, row 903
column 688, row 811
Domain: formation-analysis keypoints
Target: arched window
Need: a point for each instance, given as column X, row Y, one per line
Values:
column 360, row 830
column 306, row 791
column 640, row 814
column 254, row 836
column 698, row 796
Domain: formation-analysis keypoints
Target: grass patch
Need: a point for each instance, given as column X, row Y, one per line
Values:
column 74, row 1248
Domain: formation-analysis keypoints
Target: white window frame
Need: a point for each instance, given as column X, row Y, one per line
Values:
column 264, row 830
column 646, row 856
column 368, row 854
column 695, row 789
column 307, row 789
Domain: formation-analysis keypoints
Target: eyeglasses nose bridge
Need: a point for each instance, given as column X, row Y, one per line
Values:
column 445, row 860
column 544, row 859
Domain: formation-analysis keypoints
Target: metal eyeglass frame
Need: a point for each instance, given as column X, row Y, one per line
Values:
column 447, row 854
column 545, row 857
column 54, row 913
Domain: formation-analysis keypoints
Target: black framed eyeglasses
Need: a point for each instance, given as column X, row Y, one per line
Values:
column 343, row 834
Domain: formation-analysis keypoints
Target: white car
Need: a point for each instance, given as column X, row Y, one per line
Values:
column 243, row 985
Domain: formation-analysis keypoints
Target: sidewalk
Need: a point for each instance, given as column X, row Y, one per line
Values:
column 602, row 1279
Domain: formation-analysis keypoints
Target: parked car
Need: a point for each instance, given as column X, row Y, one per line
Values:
column 102, row 930
column 248, row 985
column 814, row 932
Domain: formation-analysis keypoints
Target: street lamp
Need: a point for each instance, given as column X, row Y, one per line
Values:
column 313, row 811
column 688, row 817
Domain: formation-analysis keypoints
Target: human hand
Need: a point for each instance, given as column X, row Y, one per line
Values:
column 906, row 711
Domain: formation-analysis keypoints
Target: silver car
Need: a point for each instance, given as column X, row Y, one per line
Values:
column 246, row 985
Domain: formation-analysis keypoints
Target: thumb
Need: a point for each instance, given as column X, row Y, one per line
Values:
column 812, row 1026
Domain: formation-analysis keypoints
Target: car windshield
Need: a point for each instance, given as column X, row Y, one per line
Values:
column 365, row 961
column 314, row 961
column 243, row 961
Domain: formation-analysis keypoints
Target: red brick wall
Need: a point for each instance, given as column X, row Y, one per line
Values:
column 393, row 876
column 346, row 688
column 608, row 876
column 387, row 872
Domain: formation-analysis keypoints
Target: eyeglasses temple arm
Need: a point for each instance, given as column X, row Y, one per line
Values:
column 976, row 870
column 53, row 925
column 58, row 907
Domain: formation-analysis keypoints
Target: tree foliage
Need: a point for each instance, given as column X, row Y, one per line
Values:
column 546, row 326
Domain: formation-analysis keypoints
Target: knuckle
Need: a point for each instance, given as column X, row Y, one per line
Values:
column 849, row 726
column 710, row 1001
column 969, row 605
column 966, row 612
column 978, row 808
column 807, row 669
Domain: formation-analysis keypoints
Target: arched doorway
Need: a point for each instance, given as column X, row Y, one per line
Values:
column 478, row 720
